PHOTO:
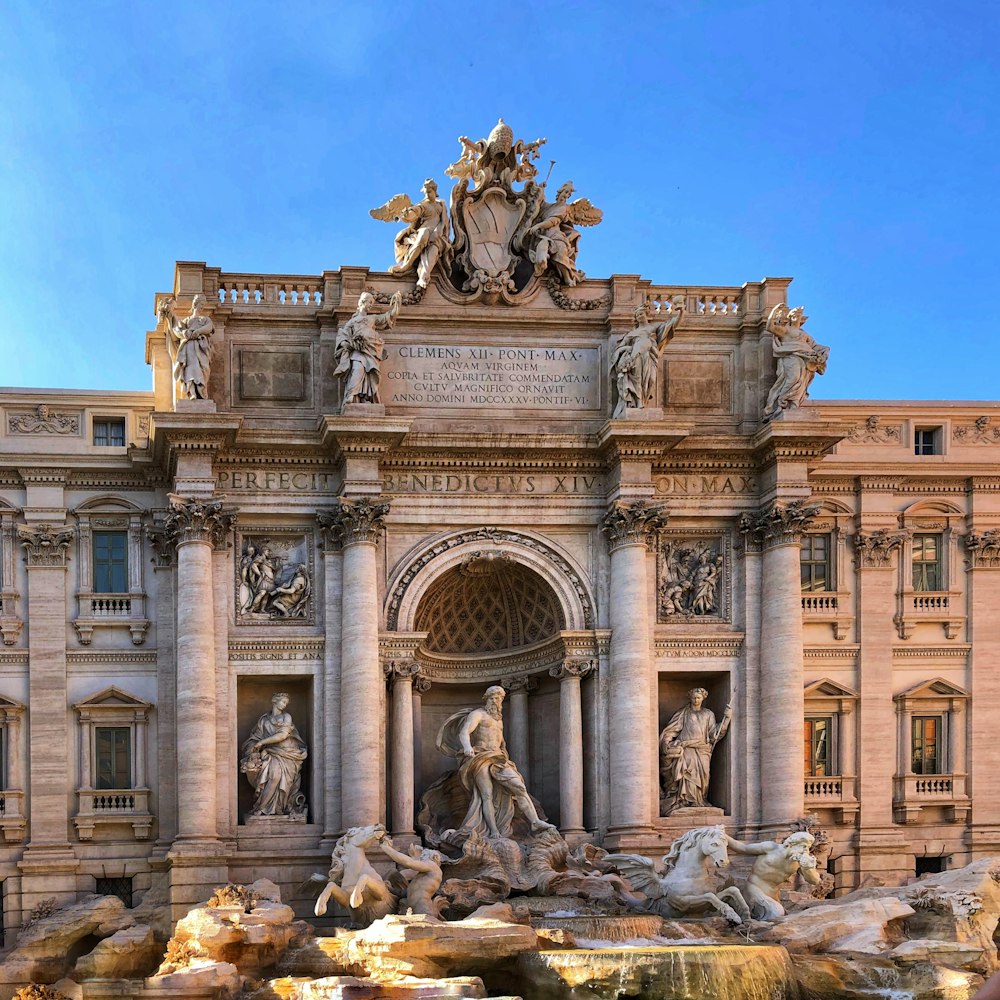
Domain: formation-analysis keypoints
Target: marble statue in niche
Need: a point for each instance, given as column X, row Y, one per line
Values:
column 360, row 350
column 274, row 580
column 497, row 790
column 272, row 757
column 799, row 359
column 686, row 746
column 691, row 577
column 189, row 343
column 636, row 359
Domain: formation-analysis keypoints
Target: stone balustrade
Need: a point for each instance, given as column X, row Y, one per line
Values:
column 945, row 608
column 294, row 290
column 719, row 302
column 106, row 806
column 912, row 792
column 835, row 791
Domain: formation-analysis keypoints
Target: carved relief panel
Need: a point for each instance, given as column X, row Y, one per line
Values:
column 693, row 579
column 274, row 576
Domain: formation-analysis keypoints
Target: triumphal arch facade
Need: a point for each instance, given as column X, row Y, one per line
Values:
column 238, row 609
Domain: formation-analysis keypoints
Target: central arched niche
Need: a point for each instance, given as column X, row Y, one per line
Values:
column 493, row 617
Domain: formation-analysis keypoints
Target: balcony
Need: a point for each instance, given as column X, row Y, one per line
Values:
column 944, row 608
column 102, row 610
column 836, row 792
column 13, row 822
column 913, row 792
column 829, row 607
column 113, row 806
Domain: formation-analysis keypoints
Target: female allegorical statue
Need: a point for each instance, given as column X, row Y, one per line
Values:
column 271, row 758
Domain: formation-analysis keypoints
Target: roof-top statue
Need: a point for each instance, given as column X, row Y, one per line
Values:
column 503, row 237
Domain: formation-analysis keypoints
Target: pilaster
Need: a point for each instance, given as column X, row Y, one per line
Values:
column 570, row 673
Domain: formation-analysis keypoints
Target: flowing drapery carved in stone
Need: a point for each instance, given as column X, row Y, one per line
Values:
column 636, row 360
column 360, row 350
column 45, row 544
column 873, row 550
column 778, row 523
column 189, row 343
column 273, row 579
column 686, row 746
column 632, row 523
column 691, row 576
column 799, row 359
column 272, row 757
column 198, row 519
column 43, row 421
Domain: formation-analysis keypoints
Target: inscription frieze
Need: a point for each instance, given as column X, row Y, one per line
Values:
column 713, row 484
column 461, row 481
column 274, row 481
column 567, row 378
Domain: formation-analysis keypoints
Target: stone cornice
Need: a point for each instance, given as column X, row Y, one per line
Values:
column 632, row 524
column 100, row 657
column 635, row 440
column 361, row 436
column 777, row 524
column 795, row 439
column 42, row 476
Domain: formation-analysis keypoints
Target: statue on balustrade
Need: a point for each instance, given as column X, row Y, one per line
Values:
column 799, row 359
column 552, row 240
column 189, row 343
column 360, row 351
column 426, row 240
column 686, row 746
column 636, row 359
column 272, row 758
column 494, row 786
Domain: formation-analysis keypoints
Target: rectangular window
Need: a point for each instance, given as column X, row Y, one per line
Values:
column 109, row 432
column 927, row 744
column 110, row 562
column 815, row 563
column 926, row 441
column 114, row 756
column 120, row 887
column 927, row 562
column 818, row 747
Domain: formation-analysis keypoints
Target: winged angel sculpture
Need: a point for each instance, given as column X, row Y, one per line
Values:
column 551, row 240
column 426, row 240
column 686, row 887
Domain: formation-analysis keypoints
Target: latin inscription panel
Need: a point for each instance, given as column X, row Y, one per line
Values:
column 565, row 378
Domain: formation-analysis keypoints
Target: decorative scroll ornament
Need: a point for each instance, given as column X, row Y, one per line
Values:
column 43, row 421
column 873, row 432
column 361, row 520
column 421, row 684
column 401, row 669
column 778, row 524
column 45, row 544
column 631, row 524
column 873, row 551
column 984, row 549
column 799, row 359
column 525, row 683
column 198, row 519
column 572, row 668
column 978, row 433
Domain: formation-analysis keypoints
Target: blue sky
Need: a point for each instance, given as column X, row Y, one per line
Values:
column 853, row 146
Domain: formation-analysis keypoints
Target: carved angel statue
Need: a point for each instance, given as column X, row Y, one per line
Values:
column 426, row 240
column 552, row 240
column 360, row 351
column 634, row 362
column 189, row 343
column 799, row 359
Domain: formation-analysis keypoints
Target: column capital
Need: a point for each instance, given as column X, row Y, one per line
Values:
column 361, row 520
column 45, row 544
column 573, row 668
column 421, row 684
column 403, row 670
column 873, row 550
column 527, row 683
column 631, row 523
column 162, row 544
column 198, row 519
column 984, row 549
column 776, row 524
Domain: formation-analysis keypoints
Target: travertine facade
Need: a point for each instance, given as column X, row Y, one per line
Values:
column 486, row 520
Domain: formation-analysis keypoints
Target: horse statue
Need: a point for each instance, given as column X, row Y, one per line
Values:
column 353, row 883
column 686, row 887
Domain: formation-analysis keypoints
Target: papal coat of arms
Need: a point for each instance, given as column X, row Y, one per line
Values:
column 503, row 237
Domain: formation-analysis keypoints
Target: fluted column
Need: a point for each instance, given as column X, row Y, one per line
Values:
column 518, row 733
column 196, row 525
column 361, row 524
column 569, row 674
column 333, row 578
column 777, row 529
column 632, row 742
column 401, row 674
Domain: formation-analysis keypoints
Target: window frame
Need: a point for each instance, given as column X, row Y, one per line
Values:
column 809, row 538
column 810, row 722
column 106, row 422
column 918, row 722
column 917, row 542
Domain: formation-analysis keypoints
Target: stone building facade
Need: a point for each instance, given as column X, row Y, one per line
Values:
column 833, row 573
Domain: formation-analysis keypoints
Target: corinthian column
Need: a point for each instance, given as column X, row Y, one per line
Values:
column 631, row 739
column 776, row 530
column 361, row 523
column 518, row 746
column 569, row 674
column 196, row 525
column 401, row 674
